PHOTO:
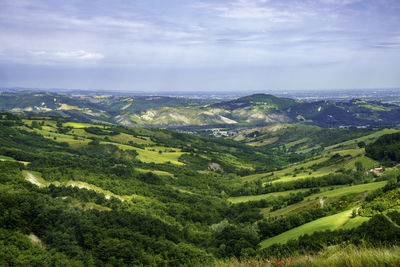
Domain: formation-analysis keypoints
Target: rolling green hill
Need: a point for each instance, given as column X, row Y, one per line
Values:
column 245, row 112
column 333, row 222
column 77, row 193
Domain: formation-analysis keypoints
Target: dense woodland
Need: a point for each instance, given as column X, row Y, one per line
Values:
column 135, row 212
column 386, row 149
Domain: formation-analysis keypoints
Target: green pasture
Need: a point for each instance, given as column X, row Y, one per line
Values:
column 264, row 196
column 292, row 144
column 286, row 174
column 341, row 220
column 77, row 125
column 157, row 172
column 152, row 156
column 328, row 195
column 125, row 138
column 6, row 158
column 367, row 139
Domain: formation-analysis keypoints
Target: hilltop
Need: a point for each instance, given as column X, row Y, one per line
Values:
column 172, row 112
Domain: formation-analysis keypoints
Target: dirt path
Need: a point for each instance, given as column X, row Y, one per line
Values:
column 82, row 185
column 32, row 178
column 391, row 221
column 322, row 202
column 35, row 239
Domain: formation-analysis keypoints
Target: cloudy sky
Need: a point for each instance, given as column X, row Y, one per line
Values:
column 187, row 45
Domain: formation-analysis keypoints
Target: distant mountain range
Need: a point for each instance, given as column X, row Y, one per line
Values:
column 159, row 111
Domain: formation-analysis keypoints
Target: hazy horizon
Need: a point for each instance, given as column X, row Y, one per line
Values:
column 187, row 46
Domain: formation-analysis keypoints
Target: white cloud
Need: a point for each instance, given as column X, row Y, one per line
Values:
column 67, row 55
column 340, row 2
column 247, row 9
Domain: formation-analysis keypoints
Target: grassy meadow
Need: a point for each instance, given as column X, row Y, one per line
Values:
column 341, row 220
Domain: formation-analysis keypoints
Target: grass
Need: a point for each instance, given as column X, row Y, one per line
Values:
column 377, row 107
column 78, row 125
column 350, row 190
column 264, row 142
column 68, row 107
column 36, row 178
column 329, row 195
column 286, row 174
column 125, row 138
column 367, row 139
column 232, row 160
column 338, row 191
column 282, row 174
column 152, row 156
column 155, row 172
column 47, row 133
column 263, row 196
column 291, row 144
column 332, row 222
column 352, row 256
column 145, row 155
column 6, row 158
column 366, row 162
column 86, row 205
column 133, row 199
column 334, row 256
column 347, row 148
column 87, row 186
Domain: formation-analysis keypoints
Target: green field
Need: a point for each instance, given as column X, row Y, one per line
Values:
column 346, row 148
column 51, row 134
column 287, row 174
column 341, row 220
column 125, row 138
column 291, row 144
column 6, row 158
column 366, row 162
column 264, row 196
column 151, row 156
column 327, row 195
column 77, row 125
column 155, row 172
column 82, row 138
column 355, row 189
column 338, row 191
column 367, row 139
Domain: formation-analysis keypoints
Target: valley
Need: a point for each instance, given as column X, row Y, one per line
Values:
column 95, row 192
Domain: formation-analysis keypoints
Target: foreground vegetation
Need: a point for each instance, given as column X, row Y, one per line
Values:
column 83, row 194
column 345, row 255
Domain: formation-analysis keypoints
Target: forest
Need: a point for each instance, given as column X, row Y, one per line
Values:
column 85, row 194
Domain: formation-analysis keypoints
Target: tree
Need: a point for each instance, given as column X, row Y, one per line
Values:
column 361, row 144
column 359, row 166
column 354, row 213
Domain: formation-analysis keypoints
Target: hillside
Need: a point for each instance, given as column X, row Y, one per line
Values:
column 299, row 138
column 245, row 112
column 84, row 194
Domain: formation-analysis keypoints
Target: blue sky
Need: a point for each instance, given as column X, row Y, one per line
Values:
column 187, row 45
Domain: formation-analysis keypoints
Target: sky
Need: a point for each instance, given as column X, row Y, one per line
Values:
column 200, row 45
